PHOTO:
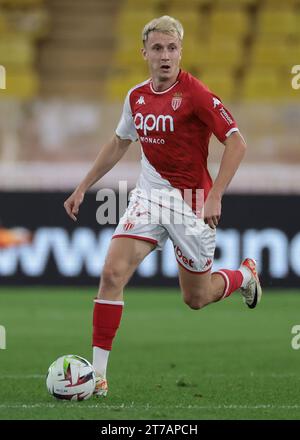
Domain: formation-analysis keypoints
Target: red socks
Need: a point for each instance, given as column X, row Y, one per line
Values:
column 233, row 280
column 106, row 321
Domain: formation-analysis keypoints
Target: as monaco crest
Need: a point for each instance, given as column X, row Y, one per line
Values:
column 127, row 226
column 176, row 101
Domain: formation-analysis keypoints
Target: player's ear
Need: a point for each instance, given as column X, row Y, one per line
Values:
column 144, row 53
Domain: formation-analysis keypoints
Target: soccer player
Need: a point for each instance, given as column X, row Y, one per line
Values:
column 173, row 115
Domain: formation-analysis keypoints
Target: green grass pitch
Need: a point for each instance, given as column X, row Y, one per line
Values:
column 168, row 362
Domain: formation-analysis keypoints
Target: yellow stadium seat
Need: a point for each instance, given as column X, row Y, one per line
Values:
column 124, row 62
column 288, row 93
column 22, row 84
column 131, row 23
column 191, row 20
column 3, row 23
column 21, row 3
column 16, row 51
column 262, row 85
column 136, row 4
column 230, row 22
column 220, row 83
column 297, row 18
column 234, row 3
column 268, row 53
column 118, row 86
column 129, row 55
column 192, row 54
column 291, row 55
column 179, row 4
column 274, row 4
column 220, row 54
column 225, row 54
column 277, row 22
column 31, row 23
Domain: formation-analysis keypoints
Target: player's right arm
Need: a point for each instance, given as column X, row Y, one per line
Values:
column 109, row 155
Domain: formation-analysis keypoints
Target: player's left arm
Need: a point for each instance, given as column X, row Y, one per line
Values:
column 235, row 148
column 211, row 111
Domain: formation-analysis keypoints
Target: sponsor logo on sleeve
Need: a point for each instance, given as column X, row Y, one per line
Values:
column 224, row 114
column 216, row 102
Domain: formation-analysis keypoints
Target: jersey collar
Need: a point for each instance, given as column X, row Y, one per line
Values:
column 167, row 90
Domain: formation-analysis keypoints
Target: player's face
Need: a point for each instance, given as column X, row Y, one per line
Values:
column 163, row 53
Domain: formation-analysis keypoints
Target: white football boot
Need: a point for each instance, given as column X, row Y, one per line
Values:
column 101, row 387
column 252, row 292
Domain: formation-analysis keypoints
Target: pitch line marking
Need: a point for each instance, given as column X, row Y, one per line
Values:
column 205, row 375
column 145, row 407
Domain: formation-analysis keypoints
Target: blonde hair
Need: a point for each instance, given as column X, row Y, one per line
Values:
column 164, row 24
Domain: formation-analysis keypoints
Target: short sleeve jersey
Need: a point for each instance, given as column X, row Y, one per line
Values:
column 174, row 128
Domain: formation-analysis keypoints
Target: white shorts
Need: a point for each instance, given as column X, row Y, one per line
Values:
column 193, row 240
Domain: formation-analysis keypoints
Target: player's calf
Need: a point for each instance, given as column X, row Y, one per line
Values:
column 199, row 289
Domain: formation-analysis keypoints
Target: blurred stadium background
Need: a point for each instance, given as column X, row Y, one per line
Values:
column 69, row 64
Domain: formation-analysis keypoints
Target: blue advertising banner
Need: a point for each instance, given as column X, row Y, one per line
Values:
column 59, row 251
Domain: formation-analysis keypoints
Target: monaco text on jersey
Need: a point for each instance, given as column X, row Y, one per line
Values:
column 149, row 140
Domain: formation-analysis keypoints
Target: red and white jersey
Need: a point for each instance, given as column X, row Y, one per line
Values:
column 174, row 128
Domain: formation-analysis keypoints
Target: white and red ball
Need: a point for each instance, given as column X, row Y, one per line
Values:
column 71, row 377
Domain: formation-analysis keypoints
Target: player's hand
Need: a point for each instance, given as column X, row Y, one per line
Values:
column 72, row 204
column 212, row 210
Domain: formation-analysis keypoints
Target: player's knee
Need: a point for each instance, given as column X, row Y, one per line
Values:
column 195, row 303
column 112, row 277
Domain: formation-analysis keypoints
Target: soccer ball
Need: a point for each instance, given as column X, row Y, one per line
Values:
column 71, row 377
